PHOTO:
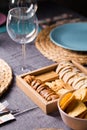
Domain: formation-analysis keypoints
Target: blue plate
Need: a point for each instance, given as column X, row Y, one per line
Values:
column 72, row 36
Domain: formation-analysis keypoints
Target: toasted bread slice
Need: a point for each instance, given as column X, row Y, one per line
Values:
column 66, row 99
column 81, row 94
column 76, row 108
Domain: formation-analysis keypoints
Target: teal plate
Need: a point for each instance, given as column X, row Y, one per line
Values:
column 72, row 36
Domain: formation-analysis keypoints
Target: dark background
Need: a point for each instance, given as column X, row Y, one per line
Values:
column 76, row 5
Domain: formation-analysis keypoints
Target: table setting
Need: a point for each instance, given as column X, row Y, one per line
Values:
column 29, row 106
column 52, row 46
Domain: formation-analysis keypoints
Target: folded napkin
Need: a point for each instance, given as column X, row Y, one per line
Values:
column 5, row 115
column 2, row 29
column 2, row 18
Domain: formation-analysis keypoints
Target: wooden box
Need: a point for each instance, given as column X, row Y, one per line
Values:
column 45, row 74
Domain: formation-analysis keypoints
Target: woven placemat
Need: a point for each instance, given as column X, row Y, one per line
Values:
column 54, row 52
column 5, row 76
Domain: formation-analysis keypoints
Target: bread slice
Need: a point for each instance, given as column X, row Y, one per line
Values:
column 78, row 79
column 66, row 99
column 64, row 71
column 62, row 91
column 80, row 84
column 76, row 108
column 81, row 94
column 67, row 76
column 62, row 65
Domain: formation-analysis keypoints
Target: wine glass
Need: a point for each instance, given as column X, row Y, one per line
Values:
column 23, row 3
column 22, row 27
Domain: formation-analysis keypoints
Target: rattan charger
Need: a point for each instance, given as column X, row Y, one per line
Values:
column 5, row 76
column 54, row 52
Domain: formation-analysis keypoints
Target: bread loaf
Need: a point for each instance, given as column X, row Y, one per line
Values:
column 71, row 75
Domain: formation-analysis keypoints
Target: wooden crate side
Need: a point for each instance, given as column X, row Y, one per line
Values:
column 32, row 94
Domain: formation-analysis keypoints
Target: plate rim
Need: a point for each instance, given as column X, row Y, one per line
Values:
column 60, row 45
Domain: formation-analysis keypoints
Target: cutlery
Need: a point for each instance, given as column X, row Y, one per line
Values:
column 24, row 111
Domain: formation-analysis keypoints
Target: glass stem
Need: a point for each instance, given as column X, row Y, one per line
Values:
column 24, row 56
